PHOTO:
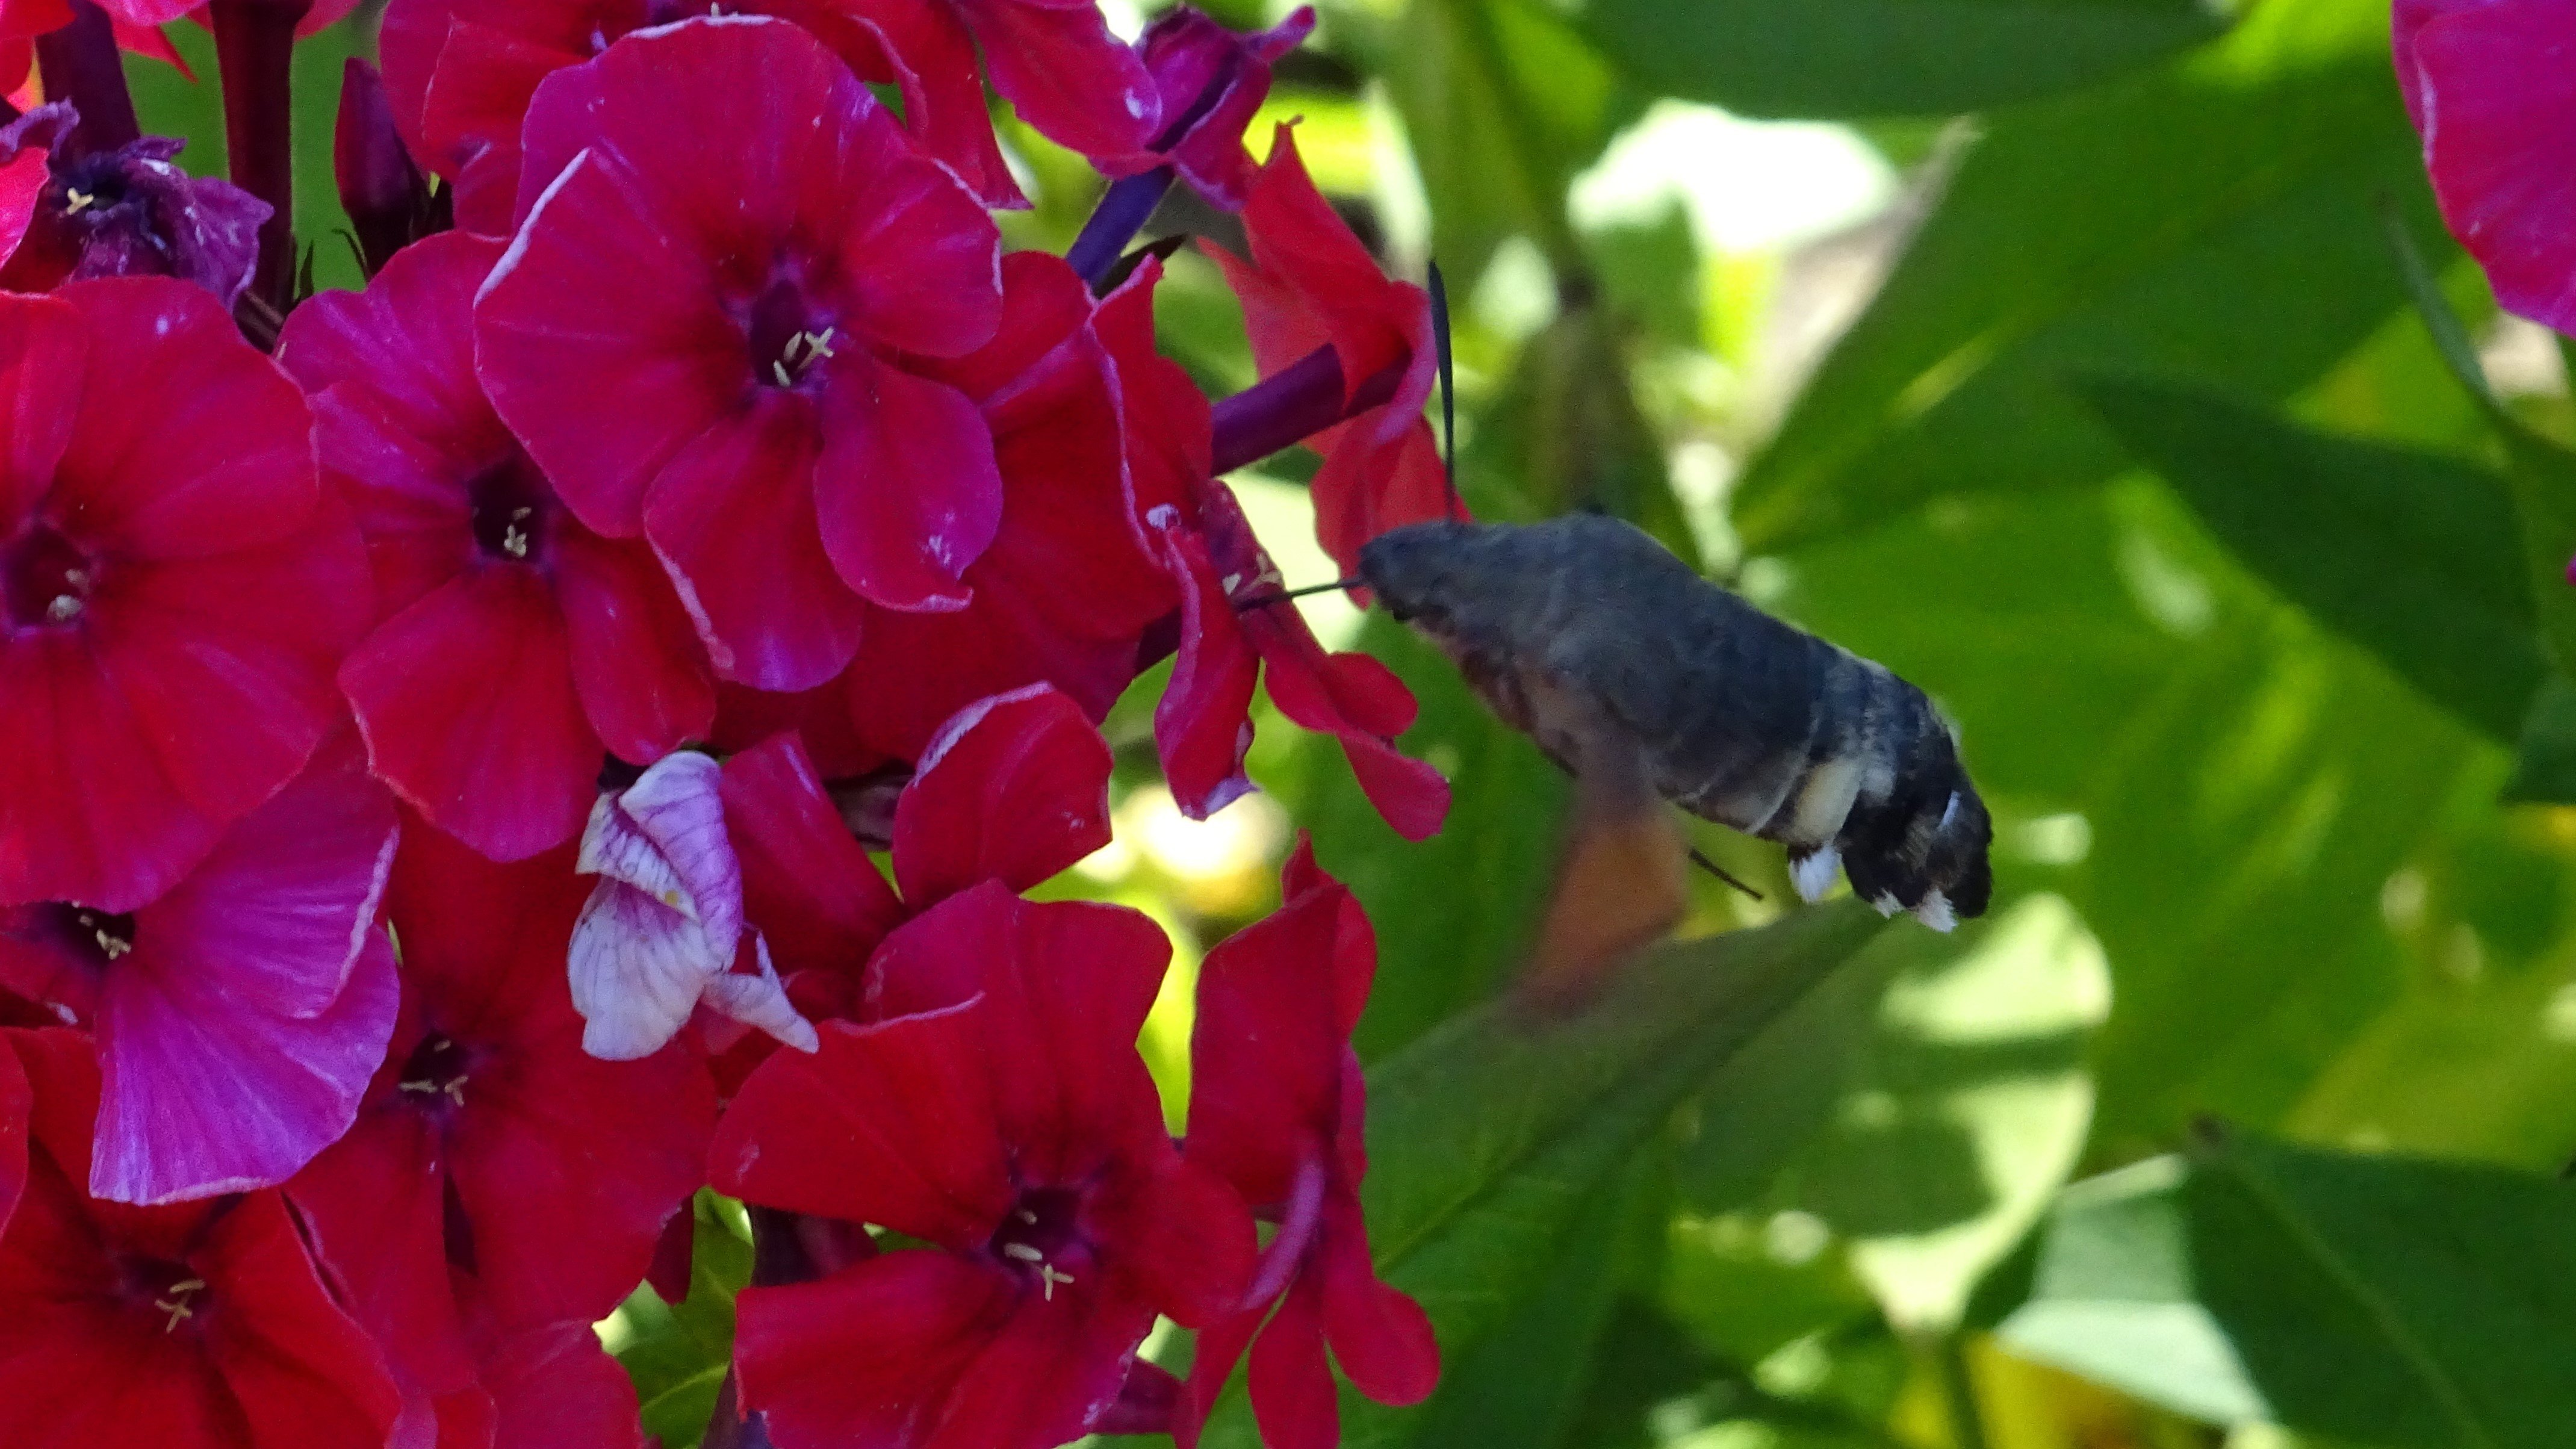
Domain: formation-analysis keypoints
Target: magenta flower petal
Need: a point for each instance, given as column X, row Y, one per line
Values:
column 2498, row 113
column 177, row 594
column 807, row 884
column 733, row 518
column 656, row 347
column 1293, row 1396
column 1380, row 1336
column 1203, row 722
column 640, row 671
column 892, row 1123
column 655, row 268
column 467, row 702
column 1212, row 82
column 517, row 641
column 250, row 1005
column 43, row 354
column 859, row 1356
column 1061, row 69
column 906, row 489
column 930, row 57
column 1014, row 789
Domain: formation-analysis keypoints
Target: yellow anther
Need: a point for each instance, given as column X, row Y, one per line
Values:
column 78, row 202
column 110, row 944
column 176, row 1305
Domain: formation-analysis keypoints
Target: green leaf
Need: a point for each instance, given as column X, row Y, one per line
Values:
column 1487, row 1136
column 2409, row 554
column 1886, row 57
column 677, row 1353
column 2215, row 219
column 2381, row 1299
column 1969, row 1111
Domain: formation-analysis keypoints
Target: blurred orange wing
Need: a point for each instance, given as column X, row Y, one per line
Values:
column 1620, row 885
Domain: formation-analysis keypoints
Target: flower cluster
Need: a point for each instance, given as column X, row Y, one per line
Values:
column 452, row 728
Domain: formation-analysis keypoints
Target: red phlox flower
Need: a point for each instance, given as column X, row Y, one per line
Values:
column 1014, row 789
column 1068, row 591
column 1212, row 81
column 463, row 72
column 998, row 1111
column 1276, row 1102
column 517, row 646
column 26, row 147
column 1203, row 722
column 240, row 1013
column 499, row 1180
column 662, row 933
column 196, row 1325
column 1311, row 283
column 175, row 590
column 132, row 212
column 821, row 715
column 695, row 334
column 2498, row 115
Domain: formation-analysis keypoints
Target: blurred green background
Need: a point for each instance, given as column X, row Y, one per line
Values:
column 2101, row 366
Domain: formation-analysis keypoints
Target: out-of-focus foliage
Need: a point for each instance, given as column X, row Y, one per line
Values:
column 2100, row 366
column 2150, row 421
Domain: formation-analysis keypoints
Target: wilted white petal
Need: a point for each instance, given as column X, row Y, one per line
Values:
column 679, row 806
column 636, row 968
column 614, row 847
column 760, row 1002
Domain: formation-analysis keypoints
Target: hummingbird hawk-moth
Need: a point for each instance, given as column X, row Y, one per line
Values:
column 1649, row 683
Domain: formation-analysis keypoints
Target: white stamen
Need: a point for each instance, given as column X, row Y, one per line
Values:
column 64, row 609
column 79, row 202
column 779, row 371
column 1025, row 1215
column 1048, row 1276
column 1024, row 1252
column 514, row 541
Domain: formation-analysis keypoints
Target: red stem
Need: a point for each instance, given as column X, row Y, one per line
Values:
column 255, row 47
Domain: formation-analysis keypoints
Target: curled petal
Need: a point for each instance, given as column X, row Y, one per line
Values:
column 637, row 968
column 759, row 1000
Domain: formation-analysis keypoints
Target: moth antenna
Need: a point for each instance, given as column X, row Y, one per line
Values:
column 1281, row 596
column 1713, row 868
column 1448, row 389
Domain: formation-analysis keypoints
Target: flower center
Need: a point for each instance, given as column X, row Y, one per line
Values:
column 99, row 936
column 436, row 1068
column 47, row 579
column 1042, row 1237
column 512, row 512
column 788, row 335
column 174, row 1290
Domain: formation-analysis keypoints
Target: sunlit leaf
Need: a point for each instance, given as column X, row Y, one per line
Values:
column 1885, row 57
column 2381, row 1299
column 2216, row 219
column 2409, row 554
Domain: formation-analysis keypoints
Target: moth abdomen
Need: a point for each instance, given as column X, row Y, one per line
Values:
column 1584, row 623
